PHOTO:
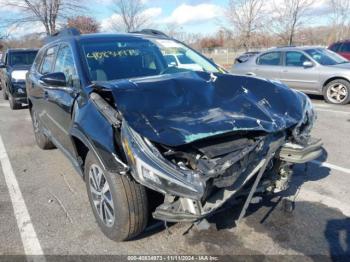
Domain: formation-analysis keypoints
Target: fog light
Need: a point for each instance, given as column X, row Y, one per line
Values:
column 148, row 174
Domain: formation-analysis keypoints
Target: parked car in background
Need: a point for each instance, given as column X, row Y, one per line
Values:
column 13, row 68
column 311, row 70
column 342, row 48
column 245, row 56
column 133, row 124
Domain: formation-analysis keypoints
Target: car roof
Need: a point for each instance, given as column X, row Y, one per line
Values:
column 72, row 34
column 19, row 50
column 341, row 42
column 294, row 48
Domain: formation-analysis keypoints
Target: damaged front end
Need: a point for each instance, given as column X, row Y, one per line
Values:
column 199, row 178
column 200, row 142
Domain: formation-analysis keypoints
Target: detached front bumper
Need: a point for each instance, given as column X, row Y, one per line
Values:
column 188, row 210
column 298, row 154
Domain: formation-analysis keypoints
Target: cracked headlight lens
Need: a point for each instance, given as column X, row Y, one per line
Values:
column 151, row 169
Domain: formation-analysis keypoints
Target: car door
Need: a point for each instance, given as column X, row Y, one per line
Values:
column 269, row 65
column 60, row 100
column 38, row 89
column 298, row 74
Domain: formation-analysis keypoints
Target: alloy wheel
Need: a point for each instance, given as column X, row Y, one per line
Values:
column 337, row 93
column 101, row 195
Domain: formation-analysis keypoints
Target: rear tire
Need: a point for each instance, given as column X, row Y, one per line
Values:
column 121, row 211
column 337, row 92
column 13, row 104
column 41, row 139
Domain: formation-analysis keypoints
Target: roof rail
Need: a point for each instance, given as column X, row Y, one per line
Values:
column 150, row 32
column 70, row 31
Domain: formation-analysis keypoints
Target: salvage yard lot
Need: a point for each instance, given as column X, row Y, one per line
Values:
column 57, row 203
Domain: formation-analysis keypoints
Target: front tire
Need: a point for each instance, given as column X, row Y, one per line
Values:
column 337, row 92
column 41, row 139
column 119, row 204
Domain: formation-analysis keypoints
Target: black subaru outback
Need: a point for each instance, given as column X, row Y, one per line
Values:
column 132, row 125
column 13, row 68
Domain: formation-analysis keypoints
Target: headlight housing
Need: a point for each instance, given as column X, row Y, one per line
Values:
column 18, row 75
column 151, row 169
column 301, row 132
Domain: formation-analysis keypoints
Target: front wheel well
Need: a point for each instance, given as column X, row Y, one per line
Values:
column 82, row 151
column 334, row 78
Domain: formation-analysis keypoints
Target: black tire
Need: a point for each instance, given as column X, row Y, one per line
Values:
column 129, row 203
column 41, row 139
column 4, row 94
column 327, row 91
column 13, row 104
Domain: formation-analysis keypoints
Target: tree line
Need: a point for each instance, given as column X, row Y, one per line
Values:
column 248, row 24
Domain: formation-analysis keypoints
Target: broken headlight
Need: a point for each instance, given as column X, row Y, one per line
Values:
column 301, row 132
column 152, row 170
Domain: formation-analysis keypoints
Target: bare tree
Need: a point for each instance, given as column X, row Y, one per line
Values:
column 289, row 16
column 246, row 16
column 131, row 13
column 85, row 24
column 46, row 12
column 340, row 18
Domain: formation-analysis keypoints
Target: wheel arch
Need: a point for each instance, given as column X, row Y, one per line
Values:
column 332, row 79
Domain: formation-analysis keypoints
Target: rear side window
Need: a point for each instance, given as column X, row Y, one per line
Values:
column 272, row 58
column 65, row 64
column 345, row 48
column 37, row 61
column 48, row 60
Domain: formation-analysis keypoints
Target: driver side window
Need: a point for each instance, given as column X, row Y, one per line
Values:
column 46, row 65
column 65, row 64
column 296, row 59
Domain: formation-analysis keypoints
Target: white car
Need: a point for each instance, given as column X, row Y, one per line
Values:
column 182, row 61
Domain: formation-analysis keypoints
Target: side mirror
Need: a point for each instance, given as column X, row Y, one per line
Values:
column 2, row 65
column 54, row 79
column 308, row 64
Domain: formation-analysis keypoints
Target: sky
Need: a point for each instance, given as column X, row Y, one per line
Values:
column 194, row 16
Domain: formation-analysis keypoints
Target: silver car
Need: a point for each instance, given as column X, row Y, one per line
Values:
column 312, row 70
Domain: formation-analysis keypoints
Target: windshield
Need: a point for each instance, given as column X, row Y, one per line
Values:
column 22, row 58
column 326, row 57
column 114, row 59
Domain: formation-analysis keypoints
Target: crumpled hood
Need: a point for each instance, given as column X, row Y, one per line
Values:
column 181, row 108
